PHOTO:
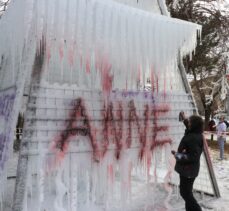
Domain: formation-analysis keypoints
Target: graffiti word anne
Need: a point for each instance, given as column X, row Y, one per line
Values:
column 112, row 127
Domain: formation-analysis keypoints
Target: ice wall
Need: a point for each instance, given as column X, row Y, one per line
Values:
column 106, row 43
column 17, row 49
column 89, row 45
column 86, row 155
column 89, row 42
column 147, row 5
column 83, row 153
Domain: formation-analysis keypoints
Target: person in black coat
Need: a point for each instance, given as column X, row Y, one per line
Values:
column 188, row 159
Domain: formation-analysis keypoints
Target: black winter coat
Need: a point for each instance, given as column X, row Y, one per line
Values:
column 192, row 146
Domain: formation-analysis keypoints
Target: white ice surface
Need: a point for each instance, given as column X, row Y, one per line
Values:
column 146, row 195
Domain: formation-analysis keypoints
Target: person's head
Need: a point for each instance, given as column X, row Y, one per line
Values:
column 196, row 124
column 221, row 119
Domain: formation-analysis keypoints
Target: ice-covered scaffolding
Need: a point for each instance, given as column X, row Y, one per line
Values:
column 88, row 40
column 89, row 125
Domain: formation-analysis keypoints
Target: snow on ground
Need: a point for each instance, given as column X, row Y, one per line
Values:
column 221, row 169
column 153, row 197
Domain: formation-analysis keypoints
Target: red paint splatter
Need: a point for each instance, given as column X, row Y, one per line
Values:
column 97, row 59
column 164, row 85
column 61, row 51
column 112, row 129
column 104, row 66
column 133, row 118
column 156, row 112
column 107, row 78
column 78, row 115
column 157, row 83
column 148, row 160
column 71, row 56
column 152, row 81
column 110, row 171
column 107, row 122
column 118, row 132
column 143, row 137
column 48, row 50
column 88, row 65
column 81, row 60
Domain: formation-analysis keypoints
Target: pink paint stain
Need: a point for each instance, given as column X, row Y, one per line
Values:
column 110, row 171
column 88, row 65
column 61, row 51
column 164, row 85
column 71, row 56
column 106, row 76
column 48, row 50
column 152, row 81
column 78, row 114
column 157, row 83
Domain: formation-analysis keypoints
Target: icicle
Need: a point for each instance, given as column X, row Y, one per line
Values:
column 25, row 202
column 60, row 190
column 41, row 174
column 170, row 163
column 29, row 180
column 124, row 179
column 128, row 37
column 73, row 183
column 2, row 183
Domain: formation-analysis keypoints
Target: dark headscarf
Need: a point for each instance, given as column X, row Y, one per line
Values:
column 196, row 124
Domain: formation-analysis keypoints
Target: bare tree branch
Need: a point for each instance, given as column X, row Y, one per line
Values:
column 3, row 6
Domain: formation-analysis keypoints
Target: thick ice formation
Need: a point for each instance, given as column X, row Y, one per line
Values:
column 92, row 38
column 95, row 45
column 105, row 174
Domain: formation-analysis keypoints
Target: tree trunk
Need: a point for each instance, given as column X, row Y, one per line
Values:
column 208, row 112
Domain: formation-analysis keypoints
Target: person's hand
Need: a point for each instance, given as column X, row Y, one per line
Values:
column 182, row 116
column 173, row 152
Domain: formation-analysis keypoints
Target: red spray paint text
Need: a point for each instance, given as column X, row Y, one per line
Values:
column 112, row 128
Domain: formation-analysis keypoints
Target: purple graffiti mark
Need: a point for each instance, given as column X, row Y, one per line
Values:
column 7, row 98
column 4, row 139
column 6, row 105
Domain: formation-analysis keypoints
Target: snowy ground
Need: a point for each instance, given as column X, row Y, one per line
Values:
column 221, row 169
column 147, row 200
